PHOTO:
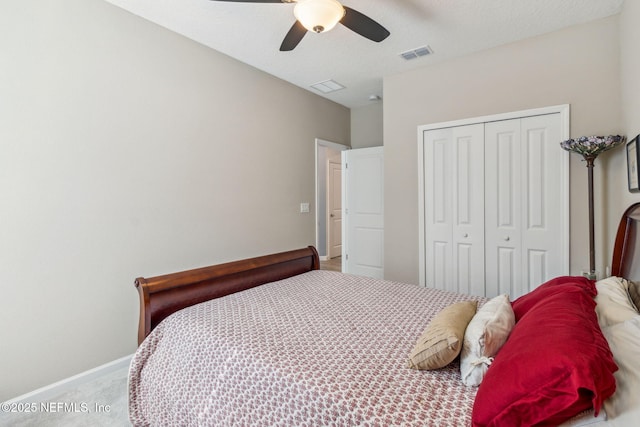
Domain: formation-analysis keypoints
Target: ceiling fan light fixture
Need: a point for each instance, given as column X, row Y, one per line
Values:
column 318, row 15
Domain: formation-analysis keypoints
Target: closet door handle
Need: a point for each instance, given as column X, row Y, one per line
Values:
column 465, row 235
column 506, row 238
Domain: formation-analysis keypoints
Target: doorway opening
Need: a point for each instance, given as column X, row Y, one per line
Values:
column 324, row 150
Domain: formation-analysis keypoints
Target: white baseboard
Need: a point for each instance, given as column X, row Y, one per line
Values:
column 324, row 258
column 52, row 390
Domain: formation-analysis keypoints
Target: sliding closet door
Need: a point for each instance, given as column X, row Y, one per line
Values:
column 453, row 206
column 524, row 205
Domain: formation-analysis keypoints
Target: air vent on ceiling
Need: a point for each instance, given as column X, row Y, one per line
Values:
column 415, row 53
column 327, row 86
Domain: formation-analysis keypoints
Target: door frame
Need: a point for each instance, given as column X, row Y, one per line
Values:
column 321, row 192
column 563, row 110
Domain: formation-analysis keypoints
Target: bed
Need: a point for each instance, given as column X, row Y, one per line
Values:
column 275, row 341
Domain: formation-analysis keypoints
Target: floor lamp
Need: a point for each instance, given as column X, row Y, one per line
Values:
column 590, row 147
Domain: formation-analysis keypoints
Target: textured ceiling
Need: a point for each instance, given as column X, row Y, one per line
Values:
column 252, row 33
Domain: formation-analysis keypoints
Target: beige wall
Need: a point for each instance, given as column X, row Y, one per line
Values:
column 367, row 126
column 579, row 66
column 126, row 151
column 617, row 197
column 630, row 76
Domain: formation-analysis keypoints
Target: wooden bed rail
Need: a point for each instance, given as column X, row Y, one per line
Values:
column 161, row 296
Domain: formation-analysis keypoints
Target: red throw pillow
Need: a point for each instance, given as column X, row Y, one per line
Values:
column 561, row 284
column 555, row 364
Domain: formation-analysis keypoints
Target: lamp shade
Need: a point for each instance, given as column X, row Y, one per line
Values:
column 318, row 15
column 592, row 146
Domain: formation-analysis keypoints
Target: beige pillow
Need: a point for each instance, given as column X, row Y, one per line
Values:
column 613, row 302
column 634, row 293
column 486, row 334
column 441, row 342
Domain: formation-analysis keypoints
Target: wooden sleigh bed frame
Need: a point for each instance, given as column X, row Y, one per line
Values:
column 161, row 296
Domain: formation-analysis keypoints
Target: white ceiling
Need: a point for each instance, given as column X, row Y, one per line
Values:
column 252, row 33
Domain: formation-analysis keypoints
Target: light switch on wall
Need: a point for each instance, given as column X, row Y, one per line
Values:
column 304, row 207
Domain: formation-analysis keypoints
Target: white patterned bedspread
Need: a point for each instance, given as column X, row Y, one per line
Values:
column 320, row 349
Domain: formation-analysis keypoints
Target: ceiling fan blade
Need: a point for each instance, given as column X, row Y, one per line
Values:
column 293, row 37
column 253, row 1
column 363, row 25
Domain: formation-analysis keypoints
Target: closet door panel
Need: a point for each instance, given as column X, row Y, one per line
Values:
column 465, row 278
column 506, row 271
column 438, row 208
column 503, row 207
column 535, row 166
column 438, row 271
column 468, row 209
column 454, row 213
column 537, row 265
column 543, row 202
column 494, row 202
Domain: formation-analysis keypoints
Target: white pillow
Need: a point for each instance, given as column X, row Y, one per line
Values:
column 486, row 334
column 614, row 304
column 624, row 341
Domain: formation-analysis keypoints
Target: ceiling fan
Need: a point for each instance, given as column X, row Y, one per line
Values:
column 322, row 15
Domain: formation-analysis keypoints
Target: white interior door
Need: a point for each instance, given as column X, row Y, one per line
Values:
column 334, row 204
column 454, row 208
column 363, row 211
column 503, row 213
column 525, row 200
column 438, row 206
column 525, row 193
column 542, row 209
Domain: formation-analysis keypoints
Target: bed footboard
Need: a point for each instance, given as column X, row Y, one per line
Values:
column 162, row 295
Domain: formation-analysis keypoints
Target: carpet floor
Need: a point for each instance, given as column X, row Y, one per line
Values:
column 101, row 402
